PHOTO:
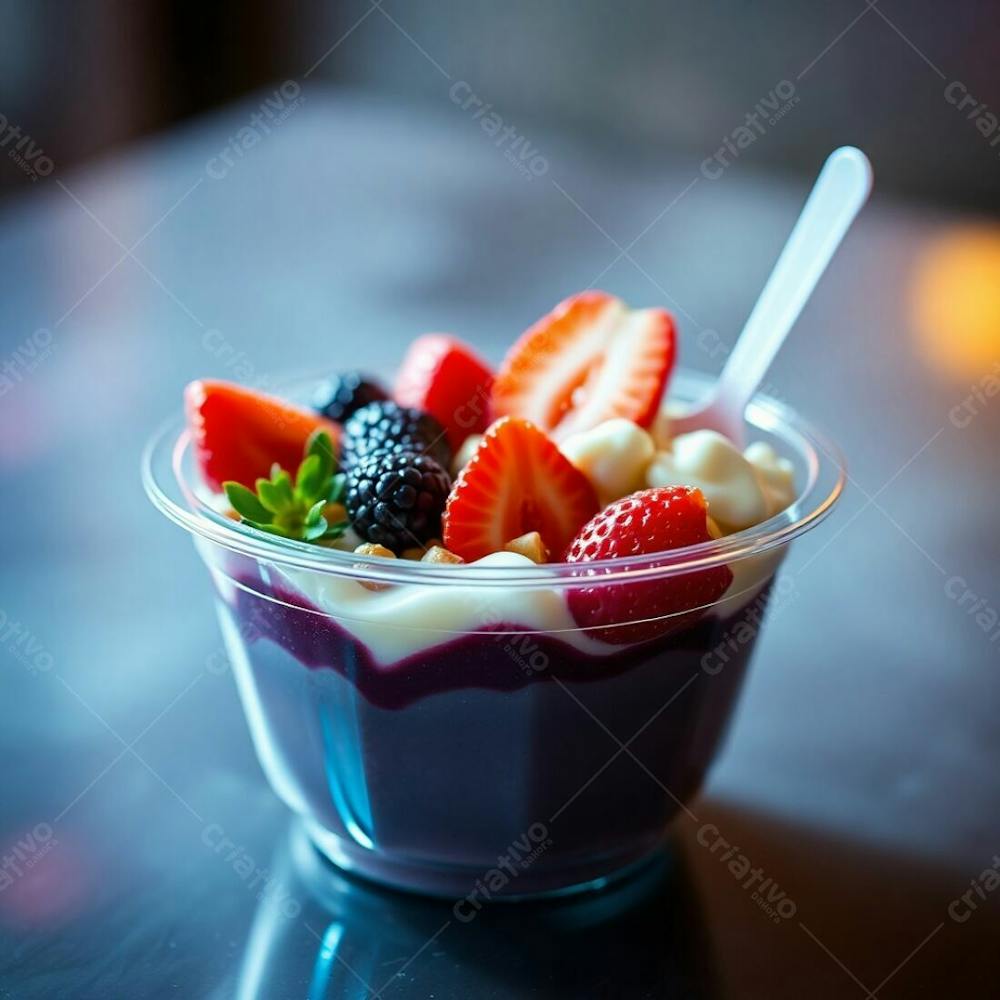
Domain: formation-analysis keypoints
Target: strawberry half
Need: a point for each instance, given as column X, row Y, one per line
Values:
column 517, row 481
column 238, row 433
column 445, row 378
column 655, row 520
column 587, row 361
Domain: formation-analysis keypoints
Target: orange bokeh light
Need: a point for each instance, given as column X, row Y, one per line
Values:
column 954, row 302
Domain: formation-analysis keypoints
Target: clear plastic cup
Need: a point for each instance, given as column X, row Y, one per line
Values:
column 450, row 729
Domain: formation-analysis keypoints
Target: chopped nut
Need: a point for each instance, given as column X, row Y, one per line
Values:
column 437, row 554
column 369, row 549
column 335, row 513
column 231, row 514
column 419, row 551
column 529, row 545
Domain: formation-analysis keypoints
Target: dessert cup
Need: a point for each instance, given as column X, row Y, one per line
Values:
column 450, row 729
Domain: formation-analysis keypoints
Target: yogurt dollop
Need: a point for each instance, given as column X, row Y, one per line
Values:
column 614, row 456
column 742, row 489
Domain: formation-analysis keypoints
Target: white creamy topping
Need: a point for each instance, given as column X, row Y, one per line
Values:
column 466, row 450
column 776, row 474
column 741, row 489
column 400, row 620
column 613, row 455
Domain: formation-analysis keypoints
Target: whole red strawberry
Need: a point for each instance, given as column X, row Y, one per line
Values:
column 656, row 520
column 447, row 379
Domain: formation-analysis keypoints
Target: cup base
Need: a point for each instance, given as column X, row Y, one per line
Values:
column 472, row 886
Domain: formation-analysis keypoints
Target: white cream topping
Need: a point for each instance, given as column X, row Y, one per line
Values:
column 741, row 489
column 661, row 425
column 403, row 619
column 776, row 475
column 613, row 455
column 464, row 454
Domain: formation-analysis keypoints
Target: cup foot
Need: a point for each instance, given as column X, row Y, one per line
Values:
column 473, row 887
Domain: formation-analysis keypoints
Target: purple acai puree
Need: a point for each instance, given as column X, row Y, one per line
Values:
column 427, row 772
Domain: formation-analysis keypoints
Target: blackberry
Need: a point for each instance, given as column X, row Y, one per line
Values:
column 341, row 395
column 384, row 427
column 396, row 499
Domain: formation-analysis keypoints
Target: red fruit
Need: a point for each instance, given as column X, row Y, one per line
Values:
column 518, row 481
column 238, row 433
column 656, row 520
column 445, row 378
column 590, row 359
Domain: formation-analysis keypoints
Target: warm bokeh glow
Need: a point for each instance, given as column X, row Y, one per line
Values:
column 955, row 301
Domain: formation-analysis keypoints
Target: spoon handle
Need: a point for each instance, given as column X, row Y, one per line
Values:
column 840, row 190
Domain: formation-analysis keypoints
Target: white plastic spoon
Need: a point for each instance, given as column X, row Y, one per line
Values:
column 836, row 198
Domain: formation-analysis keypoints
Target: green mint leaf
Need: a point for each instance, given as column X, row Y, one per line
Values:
column 321, row 445
column 259, row 525
column 314, row 532
column 245, row 502
column 315, row 514
column 338, row 488
column 295, row 510
column 309, row 480
column 283, row 482
column 272, row 497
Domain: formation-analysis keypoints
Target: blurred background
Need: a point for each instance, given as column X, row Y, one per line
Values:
column 651, row 76
column 233, row 189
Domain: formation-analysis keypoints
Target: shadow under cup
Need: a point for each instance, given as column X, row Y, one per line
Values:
column 450, row 730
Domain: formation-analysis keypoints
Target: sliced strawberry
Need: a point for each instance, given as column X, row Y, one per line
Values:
column 517, row 481
column 445, row 378
column 590, row 359
column 655, row 520
column 238, row 433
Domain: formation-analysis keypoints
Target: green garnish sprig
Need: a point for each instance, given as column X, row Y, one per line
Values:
column 295, row 510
